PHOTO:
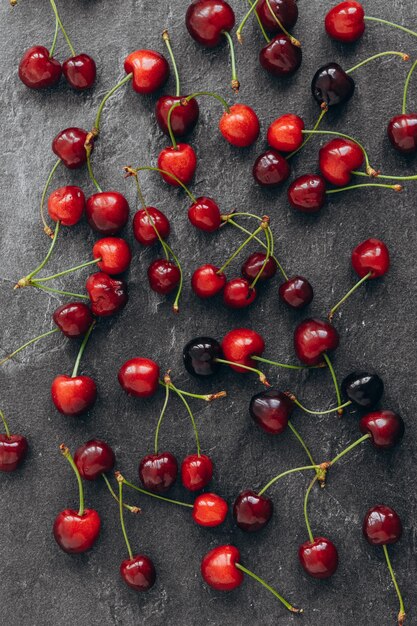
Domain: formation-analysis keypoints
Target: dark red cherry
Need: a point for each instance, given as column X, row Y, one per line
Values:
column 331, row 85
column 209, row 510
column 114, row 253
column 218, row 568
column 158, row 472
column 307, row 193
column 254, row 264
column 37, row 70
column 68, row 145
column 183, row 118
column 285, row 10
column 402, row 132
column 338, row 158
column 73, row 396
column 280, row 57
column 196, row 471
column 371, row 256
column 200, row 354
column 271, row 169
column 180, row 161
column 251, row 511
column 206, row 20
column 205, row 214
column 149, row 68
column 345, row 21
column 80, row 71
column 164, row 276
column 285, row 133
column 382, row 525
column 240, row 125
column 76, row 533
column 138, row 572
column 206, row 282
column 66, row 205
column 363, row 389
column 94, row 458
column 296, row 292
column 73, row 319
column 108, row 295
column 143, row 229
column 239, row 345
column 107, row 212
column 238, row 294
column 139, row 377
column 319, row 558
column 13, row 450
column 385, row 427
column 312, row 338
column 271, row 409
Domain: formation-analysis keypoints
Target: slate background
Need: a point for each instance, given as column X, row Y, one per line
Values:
column 42, row 585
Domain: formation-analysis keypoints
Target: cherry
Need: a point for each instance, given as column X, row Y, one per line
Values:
column 94, row 458
column 180, row 161
column 149, row 68
column 253, row 264
column 382, row 525
column 158, row 472
column 402, row 132
column 313, row 338
column 66, row 205
column 13, row 449
column 207, row 20
column 206, row 282
column 307, row 193
column 200, row 354
column 107, row 212
column 143, row 229
column 363, row 389
column 252, row 512
column 285, row 133
column 338, row 158
column 271, row 169
column 204, row 214
column 73, row 395
column 296, row 292
column 37, row 70
column 209, row 510
column 271, row 410
column 138, row 572
column 240, row 125
column 319, row 558
column 139, row 377
column 371, row 256
column 183, row 118
column 76, row 533
column 73, row 319
column 239, row 345
column 219, row 570
column 280, row 57
column 238, row 294
column 108, row 295
column 331, row 85
column 68, row 145
column 285, row 10
column 196, row 471
column 80, row 71
column 114, row 253
column 345, row 21
column 163, row 275
column 385, row 427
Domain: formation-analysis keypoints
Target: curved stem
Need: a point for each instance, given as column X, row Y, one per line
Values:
column 311, row 412
column 81, row 350
column 167, row 41
column 208, row 397
column 175, row 306
column 235, row 82
column 59, row 291
column 386, row 176
column 310, row 133
column 301, row 441
column 406, row 85
column 190, row 413
column 271, row 589
column 53, row 45
column 286, row 473
column 261, row 26
column 310, row 487
column 337, row 134
column 255, row 357
column 88, row 149
column 393, row 187
column 161, row 417
column 378, row 19
column 268, row 237
column 149, row 168
column 401, row 614
column 239, row 249
column 106, row 97
column 67, row 454
column 349, row 448
column 28, row 343
column 5, row 424
column 154, row 495
column 67, row 39
column 44, row 192
column 260, row 374
column 23, row 282
column 122, row 521
column 293, row 40
column 132, row 509
column 335, row 383
column 245, row 19
column 69, row 271
column 348, row 294
column 404, row 57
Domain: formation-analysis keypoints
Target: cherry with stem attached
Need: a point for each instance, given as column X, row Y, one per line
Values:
column 274, row 16
column 13, row 448
column 402, row 129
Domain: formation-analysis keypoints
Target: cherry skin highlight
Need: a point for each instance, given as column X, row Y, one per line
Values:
column 337, row 160
column 402, row 133
column 158, row 472
column 200, row 354
column 206, row 283
column 331, row 85
column 285, row 133
column 13, row 451
column 271, row 169
column 80, row 71
column 307, row 193
column 115, row 255
column 345, row 21
column 296, row 292
column 280, row 57
column 238, row 294
column 73, row 319
column 183, row 117
column 149, row 68
column 252, row 512
column 385, row 427
column 271, row 409
column 205, row 215
column 76, row 533
column 107, row 212
column 68, row 145
column 37, row 70
column 94, row 458
column 144, row 231
column 164, row 276
column 209, row 510
column 107, row 295
column 218, row 568
column 312, row 338
column 363, row 389
column 139, row 377
column 180, row 161
column 371, row 256
column 253, row 265
column 285, row 10
column 206, row 20
column 319, row 558
column 73, row 396
column 240, row 125
column 382, row 526
column 66, row 205
column 196, row 471
column 240, row 345
column 138, row 573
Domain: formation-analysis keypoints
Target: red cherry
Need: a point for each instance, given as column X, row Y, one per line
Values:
column 94, row 458
column 253, row 265
column 402, row 132
column 280, row 57
column 13, row 450
column 114, row 253
column 206, row 20
column 180, row 161
column 76, row 533
column 240, row 125
column 307, row 193
column 345, row 22
column 385, row 427
column 296, row 292
column 271, row 410
column 73, row 396
column 138, row 572
column 80, row 71
column 204, row 214
column 139, row 377
column 196, row 471
column 271, row 169
column 107, row 212
column 382, row 525
column 68, row 145
column 239, row 345
column 338, row 158
column 158, row 472
column 284, row 134
column 319, row 558
column 164, row 276
column 218, row 568
column 285, row 10
column 251, row 511
column 149, row 68
column 312, row 338
column 66, row 205
column 238, row 294
column 371, row 256
column 209, row 510
column 206, row 282
column 73, row 319
column 183, row 117
column 108, row 295
column 143, row 230
column 37, row 70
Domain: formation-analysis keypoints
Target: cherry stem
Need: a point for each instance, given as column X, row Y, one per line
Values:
column 69, row 271
column 235, row 82
column 52, row 48
column 264, row 226
column 28, row 343
column 286, row 473
column 271, row 589
column 81, row 350
column 129, row 172
column 310, row 133
column 255, row 357
column 27, row 280
column 335, row 383
column 311, row 412
column 401, row 614
column 106, row 97
column 122, row 521
column 161, row 416
column 320, row 474
column 239, row 30
column 184, row 102
column 405, row 57
column 175, row 306
column 378, row 19
column 88, row 148
column 167, row 41
column 6, row 426
column 349, row 448
column 132, row 509
column 369, row 170
column 269, row 252
column 397, row 188
column 154, row 495
column 67, row 39
column 293, row 40
column 190, row 413
column 260, row 374
column 348, row 294
column 59, row 291
column 406, row 85
column 209, row 397
column 386, row 176
column 310, row 487
column 67, row 454
column 46, row 228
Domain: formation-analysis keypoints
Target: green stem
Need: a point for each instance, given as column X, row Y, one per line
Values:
column 53, row 45
column 28, row 343
column 6, row 426
column 349, row 448
column 286, row 473
column 393, row 187
column 310, row 487
column 67, row 454
column 386, row 176
column 406, row 85
column 59, row 291
column 326, row 412
column 268, row 237
column 335, row 383
column 255, row 357
column 190, row 413
column 165, row 37
column 235, row 81
column 301, row 441
column 69, row 271
column 148, row 168
column 271, row 589
column 404, row 57
column 44, row 192
column 161, row 417
column 293, row 40
column 107, row 96
column 401, row 614
column 81, row 350
column 122, row 521
column 310, row 133
column 36, row 271
column 337, row 134
column 132, row 509
column 209, row 397
column 403, row 28
column 154, row 495
column 245, row 19
column 67, row 39
column 175, row 306
column 261, row 26
column 88, row 149
column 239, row 249
column 348, row 294
column 260, row 374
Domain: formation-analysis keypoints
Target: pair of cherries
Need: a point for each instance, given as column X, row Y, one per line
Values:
column 39, row 70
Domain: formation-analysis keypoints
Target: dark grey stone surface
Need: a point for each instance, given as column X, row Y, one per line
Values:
column 40, row 584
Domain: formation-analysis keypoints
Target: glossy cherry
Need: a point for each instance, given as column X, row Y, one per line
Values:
column 371, row 256
column 164, row 276
column 200, row 354
column 312, row 338
column 285, row 10
column 331, row 85
column 206, row 20
column 238, row 294
column 93, row 458
column 158, row 472
column 382, row 526
column 402, row 132
column 252, row 512
column 180, row 161
column 240, row 125
column 307, row 193
column 271, row 409
column 280, row 57
column 73, row 396
column 285, row 133
column 73, row 319
column 271, row 169
column 149, row 68
column 196, row 471
column 345, row 21
column 206, row 282
column 68, row 145
column 204, row 214
column 66, row 205
column 385, row 427
column 239, row 345
column 139, row 377
column 107, row 295
column 209, row 510
column 76, row 533
column 13, row 449
column 319, row 558
column 296, row 292
column 80, row 71
column 219, row 570
column 363, row 389
column 253, row 265
column 37, row 70
column 338, row 158
column 144, row 231
column 107, row 212
column 138, row 572
column 183, row 118
column 114, row 253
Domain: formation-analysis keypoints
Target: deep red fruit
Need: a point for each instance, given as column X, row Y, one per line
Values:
column 206, row 283
column 209, row 510
column 143, row 229
column 139, row 377
column 280, row 57
column 76, row 533
column 115, row 255
column 164, row 276
column 196, row 471
column 312, row 338
column 385, row 427
column 13, row 450
column 73, row 396
column 371, row 256
column 239, row 345
column 80, row 71
column 271, row 169
column 319, row 558
column 331, row 85
column 307, row 193
column 271, row 410
column 108, row 295
column 285, row 10
column 296, row 292
column 107, row 212
column 402, row 132
column 251, row 511
column 254, row 264
column 205, row 214
column 238, row 294
column 285, row 133
column 158, row 472
column 337, row 160
column 180, row 161
column 382, row 525
column 149, row 68
column 138, row 573
column 206, row 20
column 66, row 205
column 94, row 458
column 183, row 118
column 73, row 319
column 345, row 22
column 37, row 70
column 68, row 145
column 240, row 125
column 218, row 568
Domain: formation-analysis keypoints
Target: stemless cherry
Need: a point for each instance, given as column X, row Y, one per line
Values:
column 219, row 570
column 66, row 205
column 385, row 427
column 138, row 572
column 139, row 377
column 13, row 449
column 68, row 145
column 252, row 512
column 73, row 396
column 150, row 70
column 338, row 158
column 209, row 510
column 345, row 21
column 280, row 57
column 271, row 169
column 285, row 10
column 114, row 253
column 196, row 471
column 80, row 71
column 76, row 533
column 238, row 294
column 180, row 161
column 312, row 338
column 204, row 214
column 240, row 125
column 296, row 292
column 331, row 85
column 271, row 409
column 107, row 212
column 285, row 133
column 143, row 230
column 382, row 526
column 371, row 256
column 253, row 265
column 319, row 558
column 163, row 275
column 73, row 319
column 239, row 345
column 206, row 282
column 93, row 458
column 307, row 193
column 363, row 389
column 37, row 70
column 200, row 354
column 183, row 118
column 206, row 20
column 158, row 472
column 402, row 132
column 107, row 295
